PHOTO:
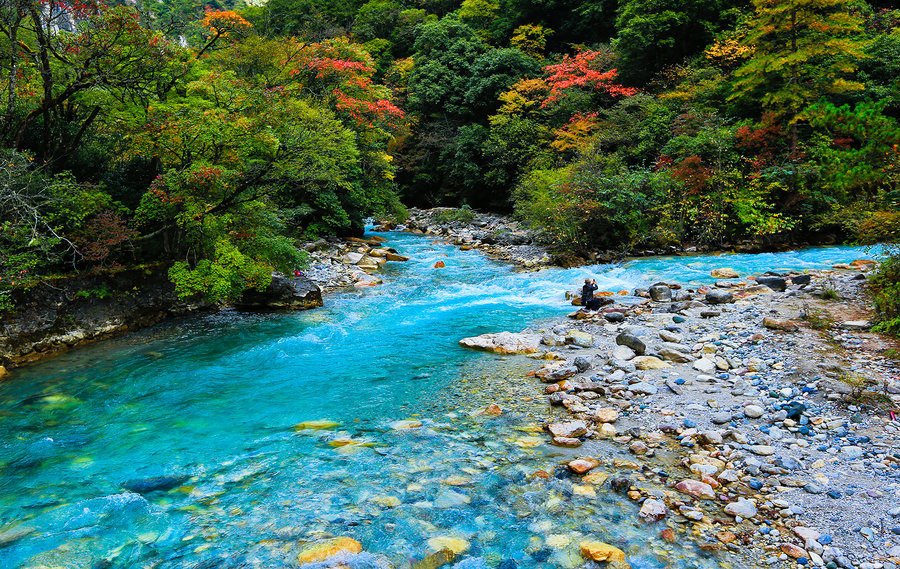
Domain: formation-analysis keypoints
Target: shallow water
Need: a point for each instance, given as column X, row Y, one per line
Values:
column 212, row 401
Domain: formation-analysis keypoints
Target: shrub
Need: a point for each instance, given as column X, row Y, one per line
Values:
column 884, row 286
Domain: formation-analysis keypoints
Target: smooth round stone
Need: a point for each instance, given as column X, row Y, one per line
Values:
column 753, row 411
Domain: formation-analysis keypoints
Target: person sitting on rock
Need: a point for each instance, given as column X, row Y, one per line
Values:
column 587, row 295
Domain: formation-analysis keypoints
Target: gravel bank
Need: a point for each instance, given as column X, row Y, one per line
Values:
column 742, row 408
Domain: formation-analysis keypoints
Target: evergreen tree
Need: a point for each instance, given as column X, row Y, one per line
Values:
column 802, row 50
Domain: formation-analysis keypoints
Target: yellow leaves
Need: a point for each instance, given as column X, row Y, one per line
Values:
column 727, row 53
column 524, row 97
column 576, row 135
column 530, row 39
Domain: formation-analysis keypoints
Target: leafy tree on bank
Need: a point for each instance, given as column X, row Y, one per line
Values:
column 801, row 50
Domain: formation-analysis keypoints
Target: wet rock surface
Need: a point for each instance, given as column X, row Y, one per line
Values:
column 58, row 314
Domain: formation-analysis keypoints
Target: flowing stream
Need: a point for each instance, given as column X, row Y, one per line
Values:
column 178, row 446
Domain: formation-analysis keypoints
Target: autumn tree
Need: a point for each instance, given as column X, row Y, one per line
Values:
column 801, row 50
column 70, row 59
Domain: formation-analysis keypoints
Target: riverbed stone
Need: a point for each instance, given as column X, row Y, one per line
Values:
column 455, row 544
column 793, row 551
column 568, row 429
column 743, row 508
column 568, row 442
column 721, row 417
column 554, row 373
column 600, row 552
column 704, row 365
column 652, row 510
column 783, row 325
column 778, row 284
column 553, row 340
column 644, row 388
column 583, row 465
column 649, row 362
column 762, row 450
column 696, row 489
column 322, row 550
column 506, row 343
column 660, row 293
column 623, row 353
column 724, row 273
column 852, row 452
column 753, row 411
column 636, row 344
column 718, row 296
column 606, row 415
column 676, row 356
column 579, row 338
column 671, row 336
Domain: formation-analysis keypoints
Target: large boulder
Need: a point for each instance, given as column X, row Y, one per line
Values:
column 716, row 296
column 775, row 283
column 283, row 293
column 504, row 343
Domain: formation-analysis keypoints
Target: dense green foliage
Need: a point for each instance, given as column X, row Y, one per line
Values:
column 214, row 136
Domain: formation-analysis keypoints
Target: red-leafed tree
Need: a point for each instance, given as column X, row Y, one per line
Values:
column 64, row 55
column 584, row 70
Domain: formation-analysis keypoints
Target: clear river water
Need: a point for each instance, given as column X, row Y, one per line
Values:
column 213, row 402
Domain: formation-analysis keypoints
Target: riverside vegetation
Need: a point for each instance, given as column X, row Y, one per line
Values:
column 211, row 138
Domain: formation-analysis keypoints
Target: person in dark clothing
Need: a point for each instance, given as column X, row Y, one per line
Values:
column 587, row 295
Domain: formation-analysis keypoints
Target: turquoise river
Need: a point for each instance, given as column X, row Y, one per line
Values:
column 212, row 402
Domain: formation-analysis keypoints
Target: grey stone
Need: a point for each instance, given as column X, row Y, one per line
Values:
column 582, row 363
column 632, row 341
column 660, row 293
column 644, row 387
column 716, row 296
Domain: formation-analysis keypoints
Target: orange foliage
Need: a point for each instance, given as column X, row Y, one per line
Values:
column 221, row 23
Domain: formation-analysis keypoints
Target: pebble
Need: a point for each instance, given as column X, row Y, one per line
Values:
column 753, row 411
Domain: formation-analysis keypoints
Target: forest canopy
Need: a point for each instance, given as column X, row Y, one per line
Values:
column 212, row 137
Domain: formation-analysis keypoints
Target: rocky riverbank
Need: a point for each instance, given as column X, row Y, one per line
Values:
column 63, row 313
column 498, row 236
column 338, row 263
column 60, row 314
column 757, row 411
column 505, row 239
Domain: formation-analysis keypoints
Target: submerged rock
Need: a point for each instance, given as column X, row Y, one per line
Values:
column 652, row 510
column 696, row 489
column 455, row 544
column 569, row 429
column 158, row 483
column 724, row 273
column 322, row 550
column 599, row 551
